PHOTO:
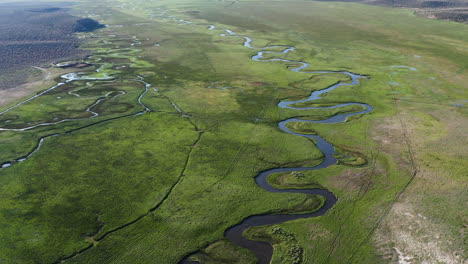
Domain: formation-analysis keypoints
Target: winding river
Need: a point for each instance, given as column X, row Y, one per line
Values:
column 263, row 250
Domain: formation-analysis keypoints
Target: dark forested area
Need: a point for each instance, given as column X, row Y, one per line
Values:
column 32, row 34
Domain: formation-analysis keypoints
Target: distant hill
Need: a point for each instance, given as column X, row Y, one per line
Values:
column 86, row 25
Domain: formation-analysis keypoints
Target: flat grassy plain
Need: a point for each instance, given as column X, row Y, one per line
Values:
column 161, row 185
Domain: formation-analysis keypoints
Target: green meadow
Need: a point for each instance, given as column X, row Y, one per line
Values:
column 155, row 187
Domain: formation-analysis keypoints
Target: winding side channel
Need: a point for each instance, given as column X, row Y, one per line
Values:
column 263, row 250
column 70, row 77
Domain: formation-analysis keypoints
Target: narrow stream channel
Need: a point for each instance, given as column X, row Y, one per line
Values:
column 70, row 77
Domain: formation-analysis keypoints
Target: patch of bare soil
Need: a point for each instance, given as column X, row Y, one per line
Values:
column 414, row 230
column 389, row 133
column 410, row 237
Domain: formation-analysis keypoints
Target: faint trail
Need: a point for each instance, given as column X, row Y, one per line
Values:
column 415, row 169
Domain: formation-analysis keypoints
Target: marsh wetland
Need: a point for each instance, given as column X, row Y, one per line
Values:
column 193, row 131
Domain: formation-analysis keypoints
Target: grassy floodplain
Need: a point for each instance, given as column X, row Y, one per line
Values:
column 155, row 187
